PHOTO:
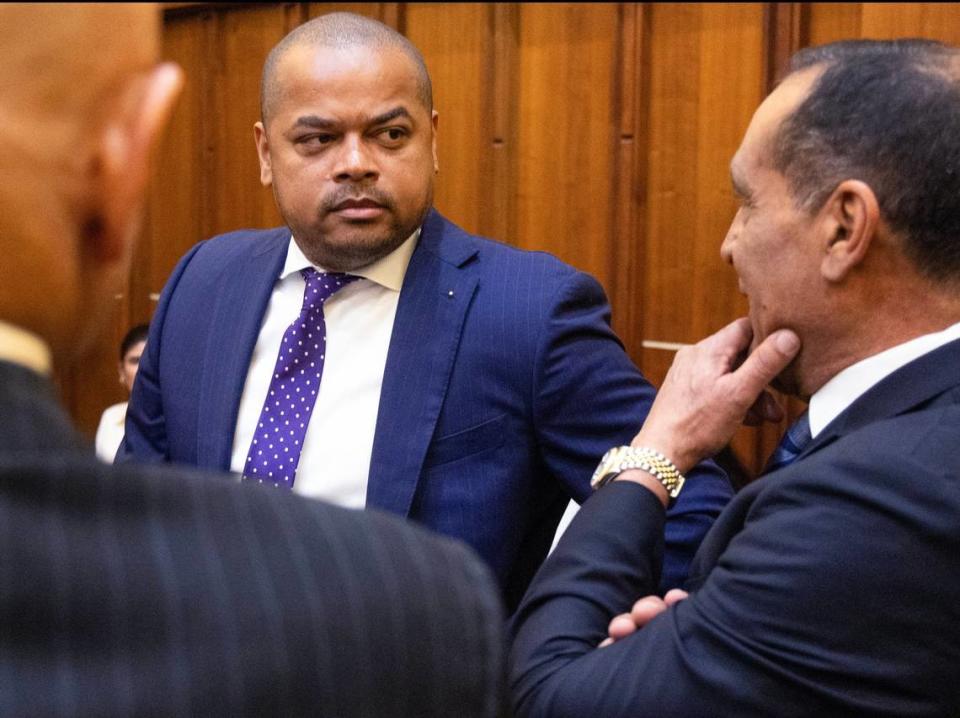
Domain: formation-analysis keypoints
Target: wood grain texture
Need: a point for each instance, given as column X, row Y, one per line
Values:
column 568, row 132
column 455, row 40
column 241, row 40
column 601, row 133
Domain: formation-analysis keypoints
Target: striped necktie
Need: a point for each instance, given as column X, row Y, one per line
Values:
column 794, row 441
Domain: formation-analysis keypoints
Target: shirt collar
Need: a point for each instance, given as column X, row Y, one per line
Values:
column 24, row 348
column 851, row 383
column 387, row 271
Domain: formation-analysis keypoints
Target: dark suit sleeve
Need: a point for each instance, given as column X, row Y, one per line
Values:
column 145, row 430
column 589, row 397
column 816, row 607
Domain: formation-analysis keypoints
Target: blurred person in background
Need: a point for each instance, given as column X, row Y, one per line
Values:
column 110, row 429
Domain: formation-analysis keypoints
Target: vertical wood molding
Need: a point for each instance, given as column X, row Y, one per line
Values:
column 629, row 181
column 394, row 14
column 502, row 87
column 786, row 30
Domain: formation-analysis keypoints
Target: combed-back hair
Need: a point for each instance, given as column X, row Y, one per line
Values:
column 341, row 30
column 136, row 335
column 886, row 113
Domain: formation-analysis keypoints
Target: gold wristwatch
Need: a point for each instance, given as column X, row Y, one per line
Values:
column 621, row 458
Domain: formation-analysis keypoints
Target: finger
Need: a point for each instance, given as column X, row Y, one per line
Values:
column 674, row 595
column 733, row 340
column 767, row 361
column 605, row 642
column 621, row 626
column 646, row 609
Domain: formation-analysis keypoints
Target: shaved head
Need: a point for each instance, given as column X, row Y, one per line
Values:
column 340, row 30
column 80, row 104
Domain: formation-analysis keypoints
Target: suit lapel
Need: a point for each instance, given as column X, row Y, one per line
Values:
column 245, row 287
column 437, row 291
column 917, row 383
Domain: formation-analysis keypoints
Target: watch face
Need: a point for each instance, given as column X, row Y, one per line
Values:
column 605, row 469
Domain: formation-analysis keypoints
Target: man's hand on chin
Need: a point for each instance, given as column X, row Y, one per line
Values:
column 706, row 395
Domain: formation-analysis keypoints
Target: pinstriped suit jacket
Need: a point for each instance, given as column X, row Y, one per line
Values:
column 503, row 387
column 130, row 590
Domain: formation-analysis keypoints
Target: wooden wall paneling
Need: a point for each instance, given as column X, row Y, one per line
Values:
column 242, row 39
column 936, row 21
column 567, row 133
column 500, row 221
column 670, row 222
column 785, row 30
column 841, row 21
column 630, row 170
column 732, row 63
column 179, row 196
column 456, row 42
column 389, row 13
column 829, row 22
column 706, row 79
column 731, row 88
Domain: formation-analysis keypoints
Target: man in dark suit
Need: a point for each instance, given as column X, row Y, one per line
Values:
column 832, row 585
column 465, row 384
column 151, row 591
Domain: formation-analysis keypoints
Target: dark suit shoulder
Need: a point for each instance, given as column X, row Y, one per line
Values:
column 242, row 242
column 185, row 593
column 455, row 245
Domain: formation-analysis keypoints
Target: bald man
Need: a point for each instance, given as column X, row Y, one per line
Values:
column 443, row 377
column 146, row 591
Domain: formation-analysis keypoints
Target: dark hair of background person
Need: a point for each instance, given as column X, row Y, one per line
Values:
column 886, row 113
column 341, row 30
column 136, row 334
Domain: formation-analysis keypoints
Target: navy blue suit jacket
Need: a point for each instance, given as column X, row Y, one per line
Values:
column 154, row 591
column 830, row 587
column 503, row 387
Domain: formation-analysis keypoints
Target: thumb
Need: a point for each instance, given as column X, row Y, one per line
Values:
column 767, row 361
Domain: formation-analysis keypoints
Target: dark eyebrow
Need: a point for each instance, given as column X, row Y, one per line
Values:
column 393, row 114
column 314, row 122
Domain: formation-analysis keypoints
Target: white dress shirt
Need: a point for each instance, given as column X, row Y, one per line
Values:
column 110, row 431
column 847, row 386
column 335, row 460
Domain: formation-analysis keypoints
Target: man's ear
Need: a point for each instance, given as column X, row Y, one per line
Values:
column 850, row 218
column 263, row 153
column 434, row 121
column 122, row 161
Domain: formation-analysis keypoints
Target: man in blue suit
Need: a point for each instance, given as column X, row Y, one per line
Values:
column 831, row 586
column 465, row 384
column 158, row 590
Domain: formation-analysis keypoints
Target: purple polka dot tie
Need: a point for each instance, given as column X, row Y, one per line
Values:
column 278, row 438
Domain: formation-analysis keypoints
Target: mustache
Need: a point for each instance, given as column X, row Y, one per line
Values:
column 342, row 194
